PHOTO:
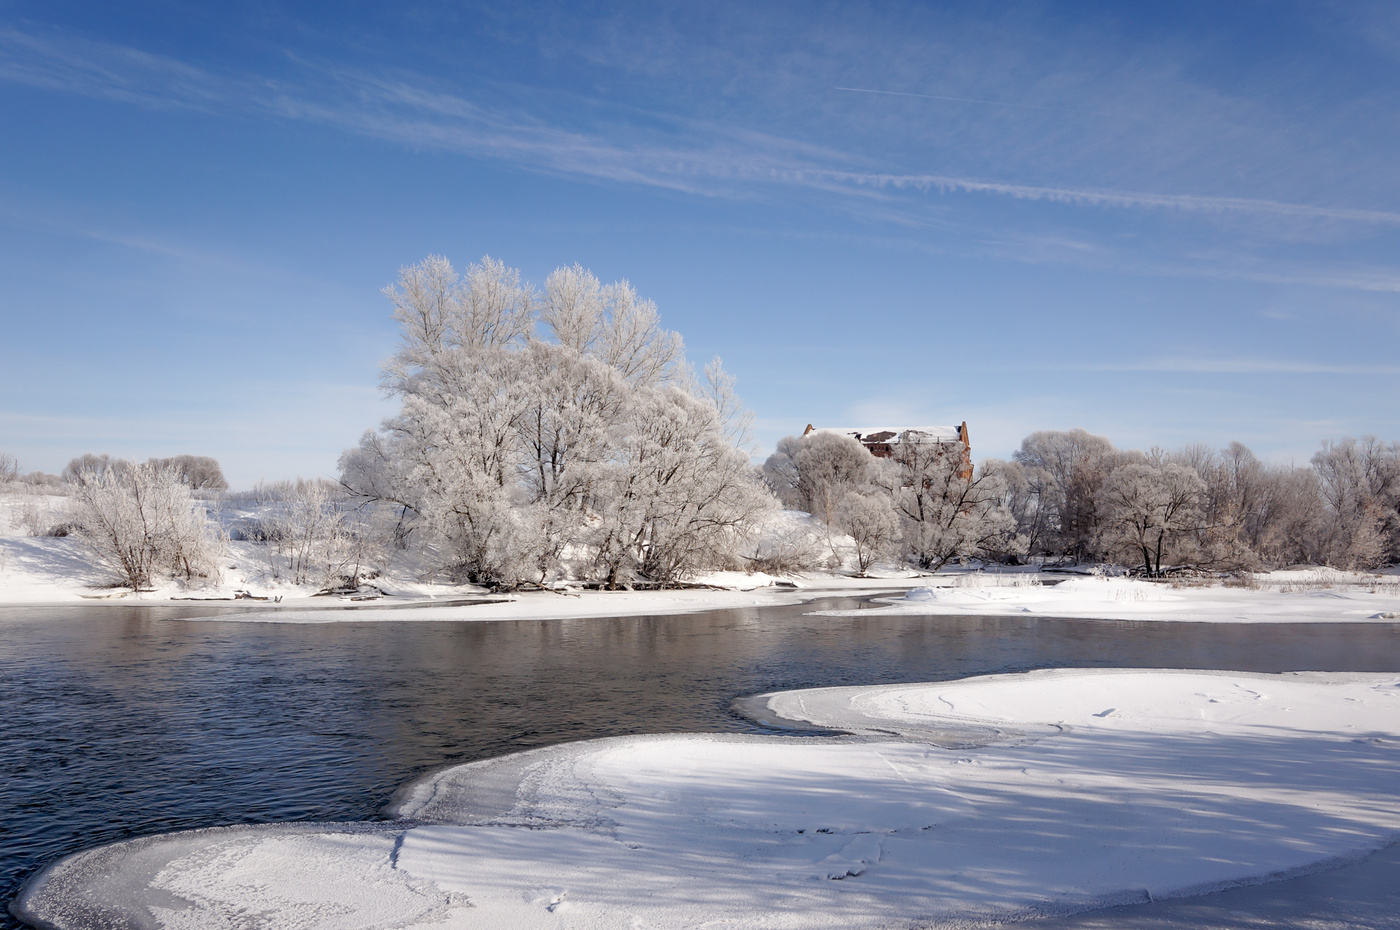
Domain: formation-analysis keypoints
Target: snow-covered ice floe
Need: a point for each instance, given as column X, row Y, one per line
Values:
column 1127, row 599
column 987, row 799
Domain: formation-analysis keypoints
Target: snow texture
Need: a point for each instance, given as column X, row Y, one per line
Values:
column 988, row 799
column 1280, row 597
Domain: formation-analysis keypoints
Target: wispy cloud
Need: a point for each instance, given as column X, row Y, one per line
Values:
column 611, row 143
column 1127, row 199
column 994, row 103
column 1244, row 366
column 102, row 69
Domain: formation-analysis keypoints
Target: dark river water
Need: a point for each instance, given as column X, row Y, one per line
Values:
column 122, row 721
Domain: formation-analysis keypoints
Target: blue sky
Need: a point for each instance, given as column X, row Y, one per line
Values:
column 1164, row 224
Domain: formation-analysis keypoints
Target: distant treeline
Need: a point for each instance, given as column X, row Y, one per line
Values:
column 197, row 472
column 1063, row 496
column 1071, row 495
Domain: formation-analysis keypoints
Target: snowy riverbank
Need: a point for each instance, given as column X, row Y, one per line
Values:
column 42, row 572
column 59, row 570
column 47, row 569
column 1312, row 596
column 1059, row 791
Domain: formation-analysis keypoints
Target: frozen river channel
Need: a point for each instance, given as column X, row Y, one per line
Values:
column 118, row 722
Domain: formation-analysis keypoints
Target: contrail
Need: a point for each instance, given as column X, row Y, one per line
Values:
column 1193, row 202
column 995, row 103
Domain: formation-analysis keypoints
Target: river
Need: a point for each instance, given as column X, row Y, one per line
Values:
column 122, row 721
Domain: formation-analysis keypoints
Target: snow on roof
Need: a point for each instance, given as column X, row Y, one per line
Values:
column 866, row 433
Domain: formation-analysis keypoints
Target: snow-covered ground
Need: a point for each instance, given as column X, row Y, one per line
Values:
column 988, row 799
column 1277, row 597
column 545, row 605
column 47, row 569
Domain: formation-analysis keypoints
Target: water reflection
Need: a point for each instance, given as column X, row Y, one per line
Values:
column 119, row 721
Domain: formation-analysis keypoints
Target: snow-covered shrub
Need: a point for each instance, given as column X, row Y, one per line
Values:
column 317, row 536
column 788, row 550
column 980, row 580
column 41, row 516
column 142, row 524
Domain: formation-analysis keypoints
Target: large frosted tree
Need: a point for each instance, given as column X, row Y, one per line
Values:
column 553, row 431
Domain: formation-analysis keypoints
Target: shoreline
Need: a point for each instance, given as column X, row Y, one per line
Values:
column 862, row 829
column 468, row 606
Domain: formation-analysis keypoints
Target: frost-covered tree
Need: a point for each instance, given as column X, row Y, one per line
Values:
column 948, row 513
column 9, row 468
column 450, row 458
column 91, row 463
column 513, row 453
column 567, row 422
column 1021, row 496
column 1343, row 511
column 141, row 523
column 1360, row 485
column 198, row 472
column 1149, row 507
column 612, row 324
column 462, row 456
column 938, row 509
column 632, row 340
column 781, row 475
column 1234, row 484
column 1254, row 515
column 573, row 308
column 870, row 520
column 718, row 389
column 678, row 497
column 1065, row 472
column 814, row 473
column 1291, row 516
